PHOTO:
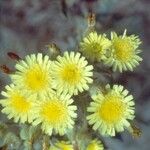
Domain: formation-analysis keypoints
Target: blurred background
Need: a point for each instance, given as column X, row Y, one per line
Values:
column 26, row 26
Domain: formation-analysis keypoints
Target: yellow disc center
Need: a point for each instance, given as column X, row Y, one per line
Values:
column 36, row 78
column 71, row 74
column 54, row 112
column 112, row 109
column 123, row 49
column 19, row 103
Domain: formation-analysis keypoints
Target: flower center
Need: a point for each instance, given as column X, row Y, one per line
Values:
column 36, row 78
column 54, row 112
column 95, row 47
column 123, row 49
column 19, row 103
column 112, row 109
column 71, row 74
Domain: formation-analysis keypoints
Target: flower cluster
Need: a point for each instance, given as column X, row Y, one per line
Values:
column 120, row 53
column 43, row 90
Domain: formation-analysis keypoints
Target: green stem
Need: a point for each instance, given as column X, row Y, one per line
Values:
column 45, row 145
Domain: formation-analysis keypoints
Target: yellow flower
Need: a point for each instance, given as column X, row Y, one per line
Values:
column 33, row 74
column 18, row 105
column 64, row 145
column 111, row 111
column 124, row 52
column 53, row 148
column 55, row 113
column 95, row 145
column 94, row 46
column 71, row 73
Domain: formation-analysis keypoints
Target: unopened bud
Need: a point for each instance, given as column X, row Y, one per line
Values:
column 135, row 131
column 54, row 50
column 91, row 20
column 5, row 69
column 13, row 56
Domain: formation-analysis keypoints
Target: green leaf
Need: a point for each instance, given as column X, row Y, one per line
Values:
column 24, row 133
column 12, row 141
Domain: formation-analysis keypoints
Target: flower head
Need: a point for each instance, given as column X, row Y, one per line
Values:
column 94, row 46
column 124, row 52
column 53, row 148
column 18, row 105
column 64, row 145
column 33, row 74
column 95, row 145
column 61, row 145
column 55, row 113
column 111, row 110
column 71, row 73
